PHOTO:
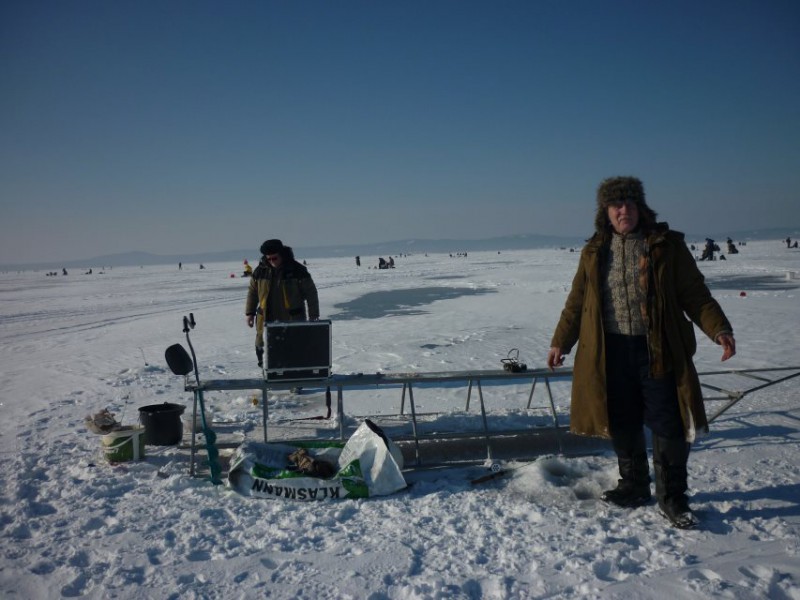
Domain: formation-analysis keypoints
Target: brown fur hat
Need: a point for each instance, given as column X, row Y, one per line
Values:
column 615, row 189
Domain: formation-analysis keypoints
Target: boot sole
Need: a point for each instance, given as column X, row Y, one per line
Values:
column 689, row 523
column 629, row 504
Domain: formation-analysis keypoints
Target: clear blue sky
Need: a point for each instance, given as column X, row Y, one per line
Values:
column 191, row 126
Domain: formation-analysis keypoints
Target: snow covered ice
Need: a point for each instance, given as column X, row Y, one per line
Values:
column 74, row 526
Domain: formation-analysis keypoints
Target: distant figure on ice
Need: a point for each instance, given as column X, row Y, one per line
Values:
column 64, row 271
column 280, row 290
column 180, row 266
column 358, row 261
column 635, row 286
column 732, row 249
column 391, row 262
column 248, row 270
column 708, row 251
column 788, row 242
column 382, row 264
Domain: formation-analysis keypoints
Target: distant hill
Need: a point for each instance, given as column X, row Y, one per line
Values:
column 138, row 258
column 512, row 242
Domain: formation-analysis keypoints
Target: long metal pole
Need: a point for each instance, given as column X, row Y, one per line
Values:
column 264, row 409
column 414, row 423
column 485, row 423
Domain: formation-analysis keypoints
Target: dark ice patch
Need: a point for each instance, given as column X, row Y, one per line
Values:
column 394, row 303
column 746, row 282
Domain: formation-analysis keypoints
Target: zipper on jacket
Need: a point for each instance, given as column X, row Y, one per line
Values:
column 649, row 301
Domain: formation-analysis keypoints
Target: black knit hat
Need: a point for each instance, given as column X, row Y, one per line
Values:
column 272, row 247
column 619, row 189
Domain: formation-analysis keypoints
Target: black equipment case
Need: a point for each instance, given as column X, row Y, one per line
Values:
column 297, row 351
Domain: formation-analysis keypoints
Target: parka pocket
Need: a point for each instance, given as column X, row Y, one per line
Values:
column 687, row 336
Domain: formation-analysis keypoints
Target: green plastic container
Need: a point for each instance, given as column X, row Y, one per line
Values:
column 124, row 444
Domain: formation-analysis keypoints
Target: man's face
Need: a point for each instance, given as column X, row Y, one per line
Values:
column 624, row 216
column 275, row 260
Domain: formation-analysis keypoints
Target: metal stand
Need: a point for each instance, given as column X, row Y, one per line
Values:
column 406, row 381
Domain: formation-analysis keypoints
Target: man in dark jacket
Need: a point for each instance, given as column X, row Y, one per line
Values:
column 635, row 286
column 281, row 289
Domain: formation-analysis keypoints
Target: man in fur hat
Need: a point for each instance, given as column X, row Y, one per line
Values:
column 280, row 290
column 635, row 286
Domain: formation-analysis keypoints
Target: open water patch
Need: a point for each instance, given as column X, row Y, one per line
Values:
column 395, row 303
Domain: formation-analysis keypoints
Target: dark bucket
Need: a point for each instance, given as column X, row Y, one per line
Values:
column 162, row 423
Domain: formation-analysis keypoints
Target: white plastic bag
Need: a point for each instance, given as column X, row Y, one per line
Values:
column 369, row 464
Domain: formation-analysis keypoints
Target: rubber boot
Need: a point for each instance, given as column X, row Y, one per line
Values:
column 260, row 356
column 670, row 457
column 633, row 487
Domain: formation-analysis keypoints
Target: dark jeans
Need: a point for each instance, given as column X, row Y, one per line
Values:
column 634, row 398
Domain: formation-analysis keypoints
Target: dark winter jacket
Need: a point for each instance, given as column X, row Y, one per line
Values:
column 675, row 289
column 295, row 289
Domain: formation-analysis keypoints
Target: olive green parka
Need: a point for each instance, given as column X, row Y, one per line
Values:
column 675, row 290
column 295, row 287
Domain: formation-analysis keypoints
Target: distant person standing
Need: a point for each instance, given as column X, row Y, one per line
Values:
column 708, row 251
column 281, row 289
column 635, row 286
